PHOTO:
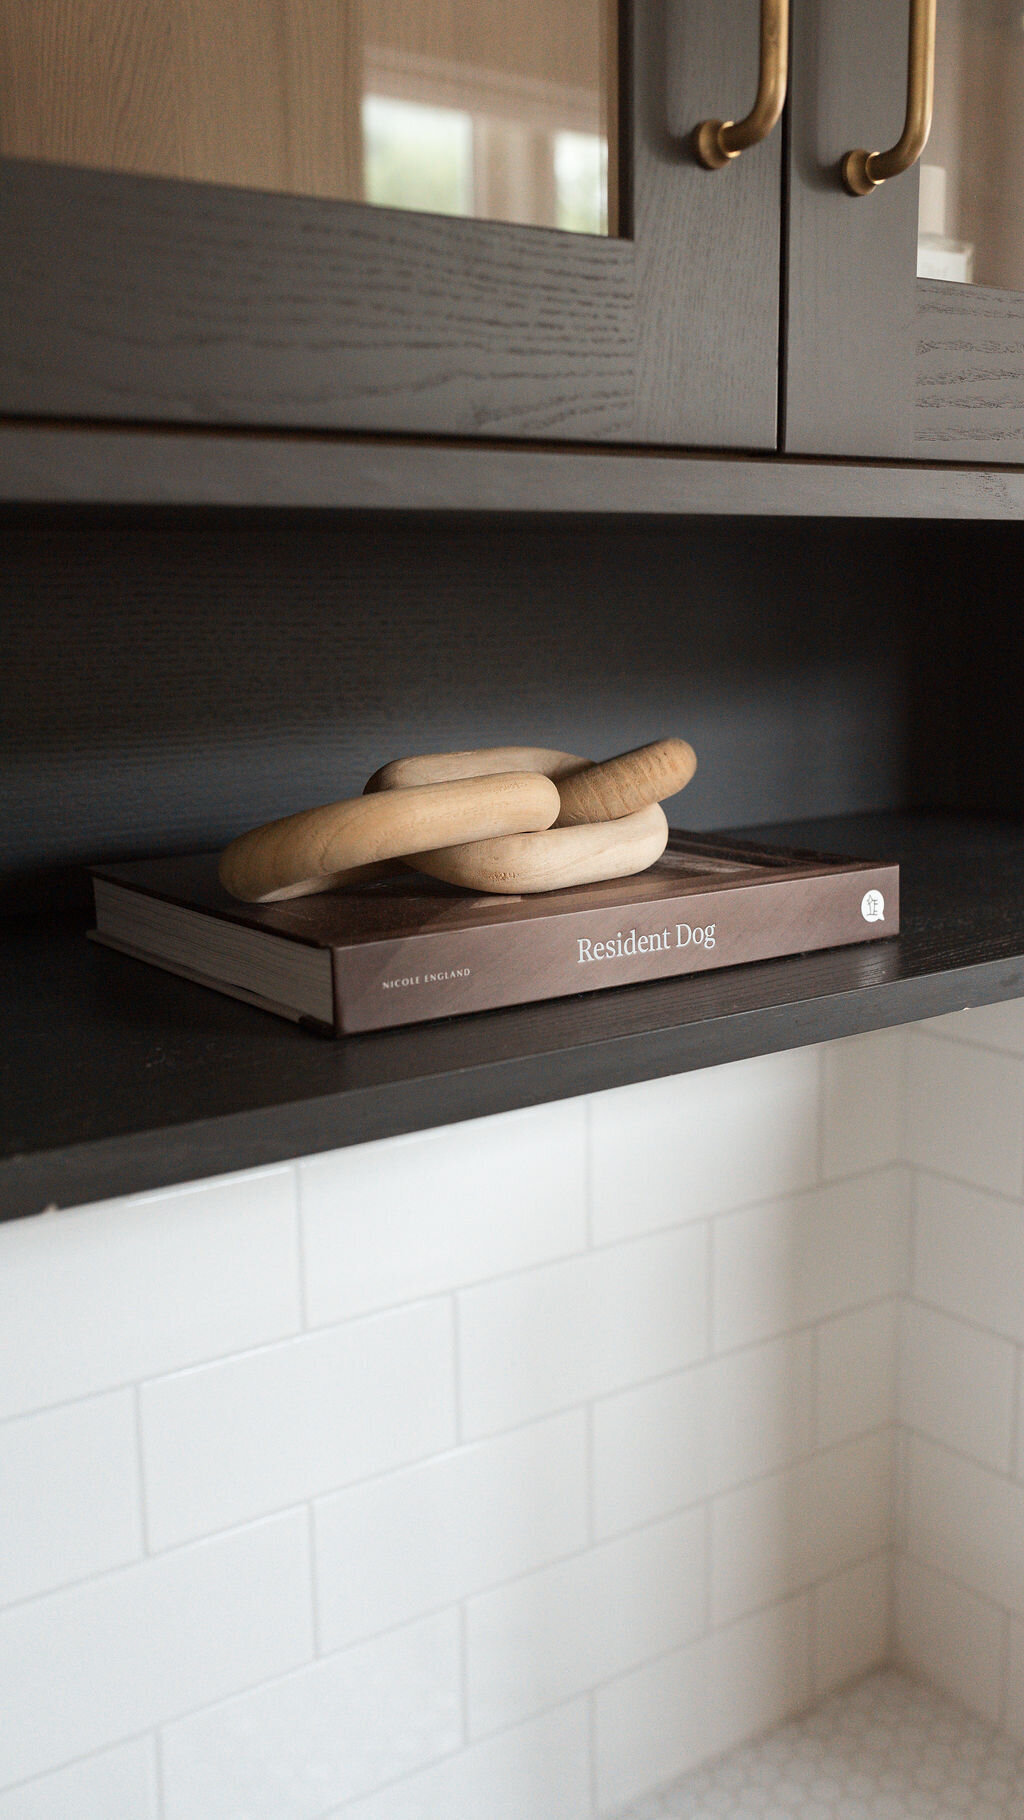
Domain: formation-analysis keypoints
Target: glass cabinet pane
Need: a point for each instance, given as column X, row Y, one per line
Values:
column 460, row 107
column 971, row 221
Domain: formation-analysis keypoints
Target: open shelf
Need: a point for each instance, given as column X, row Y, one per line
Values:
column 119, row 1078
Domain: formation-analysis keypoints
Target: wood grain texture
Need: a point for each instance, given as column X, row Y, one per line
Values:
column 550, row 861
column 850, row 286
column 482, row 761
column 270, row 310
column 619, row 786
column 968, row 373
column 217, row 668
column 324, row 848
column 92, row 466
column 115, row 1078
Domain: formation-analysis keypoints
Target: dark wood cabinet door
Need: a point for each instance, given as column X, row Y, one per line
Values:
column 154, row 300
column 905, row 309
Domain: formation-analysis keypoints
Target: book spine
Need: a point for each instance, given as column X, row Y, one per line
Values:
column 446, row 973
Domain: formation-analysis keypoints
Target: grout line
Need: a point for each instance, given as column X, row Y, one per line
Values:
column 314, row 1584
column 589, row 1456
column 943, row 1573
column 813, row 1396
column 300, row 1250
column 463, row 1619
column 929, row 1171
column 161, row 1789
column 595, row 1807
column 967, row 1459
column 149, row 1736
column 147, row 1543
column 1016, row 1460
column 458, row 1377
column 1004, row 1670
column 961, row 1320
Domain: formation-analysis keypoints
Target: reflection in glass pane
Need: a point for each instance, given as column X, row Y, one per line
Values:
column 417, row 157
column 459, row 107
column 971, row 221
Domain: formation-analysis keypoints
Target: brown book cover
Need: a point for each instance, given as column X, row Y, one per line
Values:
column 407, row 949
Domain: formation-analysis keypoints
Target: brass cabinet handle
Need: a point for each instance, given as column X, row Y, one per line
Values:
column 864, row 171
column 718, row 142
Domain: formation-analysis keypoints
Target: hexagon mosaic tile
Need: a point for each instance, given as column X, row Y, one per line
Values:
column 886, row 1749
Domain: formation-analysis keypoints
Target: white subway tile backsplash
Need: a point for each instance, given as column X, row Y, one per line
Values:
column 695, row 1144
column 667, row 1444
column 542, row 1639
column 994, row 1026
column 965, row 1113
column 413, row 1216
column 557, row 1335
column 227, row 1442
column 864, row 1080
column 69, row 1494
column 856, row 1373
column 426, row 1537
column 102, row 1661
column 311, row 1741
column 969, row 1254
column 654, row 1724
column 124, row 1289
column 966, row 1522
column 118, row 1785
column 793, row 1262
column 957, row 1385
column 784, row 1533
column 850, row 1624
column 950, row 1636
column 536, row 1771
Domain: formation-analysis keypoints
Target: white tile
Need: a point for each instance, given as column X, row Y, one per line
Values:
column 413, row 1541
column 994, row 1026
column 227, row 1442
column 389, row 1222
column 650, row 1451
column 665, row 1445
column 969, row 1254
column 694, row 1144
column 850, row 1624
column 965, row 1113
column 303, row 1745
column 536, row 1771
column 103, row 1661
column 801, row 1260
column 119, row 1785
column 1014, row 1716
column 950, row 1637
column 69, row 1494
column 966, row 1522
column 856, row 1373
column 124, row 1289
column 864, row 1081
column 552, row 1337
column 957, row 1385
column 670, row 1715
column 784, row 1533
column 563, row 1630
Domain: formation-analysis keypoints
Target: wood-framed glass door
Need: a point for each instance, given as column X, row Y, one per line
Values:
column 906, row 307
column 199, row 218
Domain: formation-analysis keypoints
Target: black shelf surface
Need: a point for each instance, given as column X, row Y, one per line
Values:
column 119, row 1078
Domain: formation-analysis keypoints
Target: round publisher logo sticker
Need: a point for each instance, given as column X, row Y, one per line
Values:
column 872, row 907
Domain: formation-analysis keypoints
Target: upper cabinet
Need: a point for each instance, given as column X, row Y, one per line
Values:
column 430, row 216
column 905, row 306
column 465, row 218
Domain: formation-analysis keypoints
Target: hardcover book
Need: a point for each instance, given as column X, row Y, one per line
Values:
column 406, row 949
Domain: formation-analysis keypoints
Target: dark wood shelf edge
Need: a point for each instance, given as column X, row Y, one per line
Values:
column 99, row 465
column 141, row 1161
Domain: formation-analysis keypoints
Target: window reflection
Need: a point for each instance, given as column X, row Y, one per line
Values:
column 458, row 107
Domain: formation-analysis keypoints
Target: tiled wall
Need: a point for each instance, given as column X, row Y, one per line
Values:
column 961, row 1577
column 499, row 1473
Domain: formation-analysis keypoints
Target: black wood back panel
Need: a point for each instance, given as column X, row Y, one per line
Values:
column 171, row 677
